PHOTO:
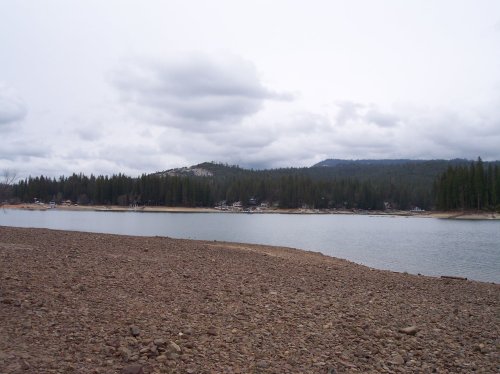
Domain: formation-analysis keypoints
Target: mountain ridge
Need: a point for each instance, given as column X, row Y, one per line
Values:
column 328, row 167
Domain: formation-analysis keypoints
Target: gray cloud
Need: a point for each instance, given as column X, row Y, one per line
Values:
column 89, row 134
column 20, row 150
column 496, row 26
column 12, row 109
column 195, row 92
column 381, row 119
column 349, row 112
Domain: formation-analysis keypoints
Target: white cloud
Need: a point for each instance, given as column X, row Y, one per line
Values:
column 12, row 108
column 350, row 113
column 194, row 92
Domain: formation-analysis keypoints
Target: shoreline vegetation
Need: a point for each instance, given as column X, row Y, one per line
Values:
column 99, row 303
column 361, row 185
column 466, row 215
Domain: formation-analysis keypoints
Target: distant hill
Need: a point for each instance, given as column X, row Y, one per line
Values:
column 407, row 169
column 333, row 162
column 393, row 169
column 367, row 184
column 206, row 169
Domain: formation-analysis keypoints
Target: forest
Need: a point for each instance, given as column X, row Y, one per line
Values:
column 406, row 184
column 469, row 187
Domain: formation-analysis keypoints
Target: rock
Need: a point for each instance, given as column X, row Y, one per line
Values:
column 262, row 364
column 410, row 330
column 124, row 353
column 134, row 330
column 25, row 365
column 159, row 342
column 397, row 359
column 173, row 347
column 161, row 358
column 212, row 331
column 480, row 348
column 172, row 356
column 132, row 369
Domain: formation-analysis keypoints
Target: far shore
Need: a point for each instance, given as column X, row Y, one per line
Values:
column 463, row 215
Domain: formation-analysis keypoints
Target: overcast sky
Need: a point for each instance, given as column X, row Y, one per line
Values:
column 140, row 86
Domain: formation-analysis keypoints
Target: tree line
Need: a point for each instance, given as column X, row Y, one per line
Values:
column 284, row 191
column 461, row 186
column 473, row 186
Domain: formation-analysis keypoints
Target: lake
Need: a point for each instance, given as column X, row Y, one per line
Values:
column 427, row 246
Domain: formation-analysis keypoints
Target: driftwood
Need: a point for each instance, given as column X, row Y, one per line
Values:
column 453, row 277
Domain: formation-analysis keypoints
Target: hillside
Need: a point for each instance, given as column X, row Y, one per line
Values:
column 400, row 170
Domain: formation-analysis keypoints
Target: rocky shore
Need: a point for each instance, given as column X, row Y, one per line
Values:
column 467, row 215
column 75, row 302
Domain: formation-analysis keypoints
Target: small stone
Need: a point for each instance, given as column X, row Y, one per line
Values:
column 172, row 356
column 159, row 342
column 134, row 330
column 410, row 330
column 174, row 347
column 480, row 348
column 132, row 369
column 25, row 365
column 212, row 331
column 161, row 358
column 396, row 359
column 124, row 353
column 262, row 364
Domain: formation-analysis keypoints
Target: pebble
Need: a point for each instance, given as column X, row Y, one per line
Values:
column 134, row 331
column 262, row 364
column 410, row 330
column 159, row 342
column 161, row 358
column 174, row 347
column 132, row 369
column 397, row 359
column 124, row 353
column 340, row 331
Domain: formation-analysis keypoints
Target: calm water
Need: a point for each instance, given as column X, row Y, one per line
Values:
column 415, row 245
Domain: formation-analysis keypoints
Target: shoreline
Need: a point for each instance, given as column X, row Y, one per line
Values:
column 458, row 215
column 105, row 303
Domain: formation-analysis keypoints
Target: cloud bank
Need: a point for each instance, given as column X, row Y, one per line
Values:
column 12, row 109
column 193, row 93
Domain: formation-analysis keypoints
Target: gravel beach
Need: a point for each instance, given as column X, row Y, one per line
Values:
column 74, row 302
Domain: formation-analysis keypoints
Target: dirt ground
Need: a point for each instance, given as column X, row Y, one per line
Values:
column 75, row 302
